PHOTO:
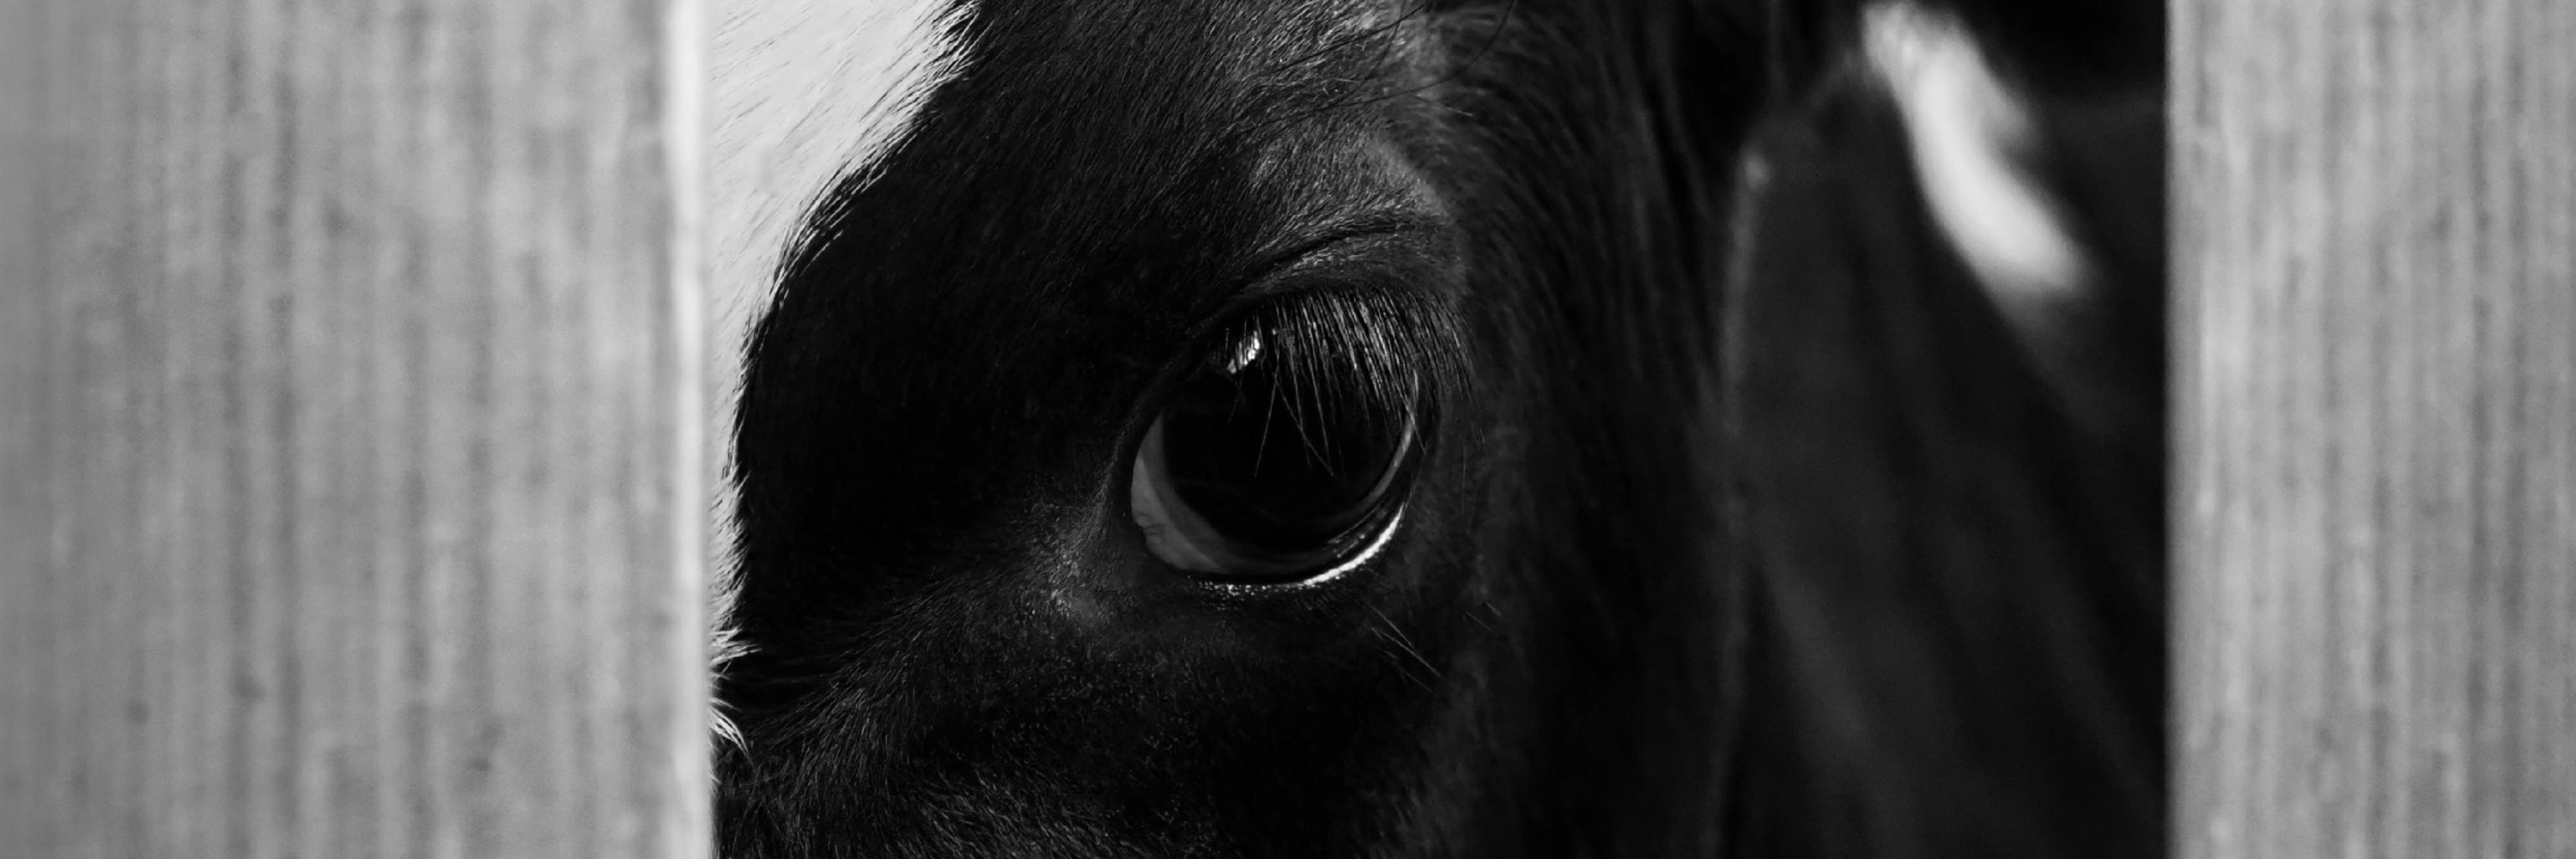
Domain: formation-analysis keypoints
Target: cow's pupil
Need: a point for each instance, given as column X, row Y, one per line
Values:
column 1275, row 454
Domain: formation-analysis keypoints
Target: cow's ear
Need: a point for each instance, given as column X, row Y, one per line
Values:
column 2038, row 200
column 2105, row 165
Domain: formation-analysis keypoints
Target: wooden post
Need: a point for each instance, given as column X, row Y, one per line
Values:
column 351, row 500
column 2375, row 238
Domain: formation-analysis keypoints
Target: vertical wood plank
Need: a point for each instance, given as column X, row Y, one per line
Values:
column 351, row 492
column 2375, row 216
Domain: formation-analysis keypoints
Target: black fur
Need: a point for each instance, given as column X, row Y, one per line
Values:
column 1746, row 528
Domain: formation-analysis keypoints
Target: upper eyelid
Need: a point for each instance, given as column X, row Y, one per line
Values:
column 1399, row 237
column 1406, row 328
column 1406, row 306
column 1376, row 228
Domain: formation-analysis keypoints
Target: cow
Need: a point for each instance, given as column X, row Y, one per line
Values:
column 1400, row 428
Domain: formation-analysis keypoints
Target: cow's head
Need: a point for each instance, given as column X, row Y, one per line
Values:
column 1356, row 427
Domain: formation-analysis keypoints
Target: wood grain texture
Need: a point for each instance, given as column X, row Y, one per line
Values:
column 351, row 492
column 2375, row 239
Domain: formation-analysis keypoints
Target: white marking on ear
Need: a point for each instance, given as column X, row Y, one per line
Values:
column 806, row 93
column 1965, row 128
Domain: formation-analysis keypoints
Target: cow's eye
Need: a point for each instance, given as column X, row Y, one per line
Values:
column 1280, row 457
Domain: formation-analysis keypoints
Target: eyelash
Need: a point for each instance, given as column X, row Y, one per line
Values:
column 1359, row 341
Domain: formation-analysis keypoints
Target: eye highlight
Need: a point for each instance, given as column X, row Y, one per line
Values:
column 1288, row 449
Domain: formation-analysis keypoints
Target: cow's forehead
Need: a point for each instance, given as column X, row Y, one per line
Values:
column 814, row 96
column 1246, row 39
column 1076, row 142
column 1093, row 91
